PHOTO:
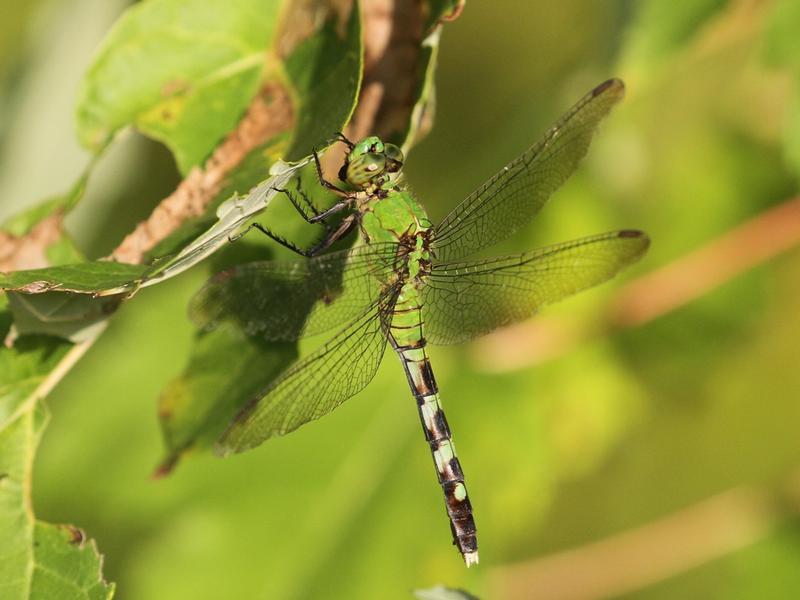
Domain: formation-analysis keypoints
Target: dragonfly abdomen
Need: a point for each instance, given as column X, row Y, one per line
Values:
column 409, row 343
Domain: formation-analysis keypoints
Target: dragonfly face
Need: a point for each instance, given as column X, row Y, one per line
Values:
column 369, row 162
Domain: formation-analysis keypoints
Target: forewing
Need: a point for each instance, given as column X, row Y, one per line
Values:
column 316, row 385
column 286, row 300
column 464, row 300
column 515, row 194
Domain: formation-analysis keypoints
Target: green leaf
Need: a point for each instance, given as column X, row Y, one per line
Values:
column 325, row 70
column 22, row 369
column 66, row 565
column 69, row 301
column 196, row 407
column 37, row 560
column 182, row 71
column 81, row 278
column 74, row 317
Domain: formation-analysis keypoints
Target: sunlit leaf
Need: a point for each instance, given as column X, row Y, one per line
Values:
column 181, row 71
column 39, row 561
column 66, row 565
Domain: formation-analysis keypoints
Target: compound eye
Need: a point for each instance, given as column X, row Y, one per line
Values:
column 394, row 158
column 363, row 169
column 365, row 146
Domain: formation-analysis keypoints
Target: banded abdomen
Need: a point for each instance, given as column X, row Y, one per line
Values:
column 408, row 340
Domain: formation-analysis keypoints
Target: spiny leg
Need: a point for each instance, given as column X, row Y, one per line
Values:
column 316, row 212
column 335, row 234
column 298, row 206
column 407, row 340
column 319, row 216
column 331, row 234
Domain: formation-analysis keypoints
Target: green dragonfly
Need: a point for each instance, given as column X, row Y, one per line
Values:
column 409, row 283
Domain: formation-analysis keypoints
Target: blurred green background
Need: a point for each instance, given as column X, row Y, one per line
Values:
column 654, row 460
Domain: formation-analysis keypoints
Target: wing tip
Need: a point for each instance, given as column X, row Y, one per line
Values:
column 636, row 235
column 613, row 86
column 631, row 233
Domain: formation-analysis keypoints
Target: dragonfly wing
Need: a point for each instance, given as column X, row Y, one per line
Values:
column 286, row 300
column 316, row 385
column 515, row 194
column 464, row 300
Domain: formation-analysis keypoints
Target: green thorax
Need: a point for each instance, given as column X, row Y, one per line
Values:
column 396, row 217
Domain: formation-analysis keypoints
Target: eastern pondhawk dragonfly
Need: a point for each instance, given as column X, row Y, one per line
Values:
column 410, row 283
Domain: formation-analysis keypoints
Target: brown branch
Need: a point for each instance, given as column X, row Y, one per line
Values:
column 269, row 114
column 666, row 289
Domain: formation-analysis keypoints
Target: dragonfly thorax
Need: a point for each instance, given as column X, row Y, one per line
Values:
column 395, row 218
column 370, row 162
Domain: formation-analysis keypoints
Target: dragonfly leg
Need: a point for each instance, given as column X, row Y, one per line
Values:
column 324, row 182
column 344, row 139
column 342, row 204
column 318, row 216
column 323, row 244
column 273, row 236
column 306, row 199
column 305, row 205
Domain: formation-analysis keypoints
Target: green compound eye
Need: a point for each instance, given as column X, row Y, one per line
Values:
column 369, row 159
column 371, row 144
column 394, row 158
column 364, row 168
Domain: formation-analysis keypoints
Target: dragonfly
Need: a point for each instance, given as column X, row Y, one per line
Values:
column 408, row 283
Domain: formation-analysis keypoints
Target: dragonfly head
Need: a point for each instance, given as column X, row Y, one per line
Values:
column 370, row 161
